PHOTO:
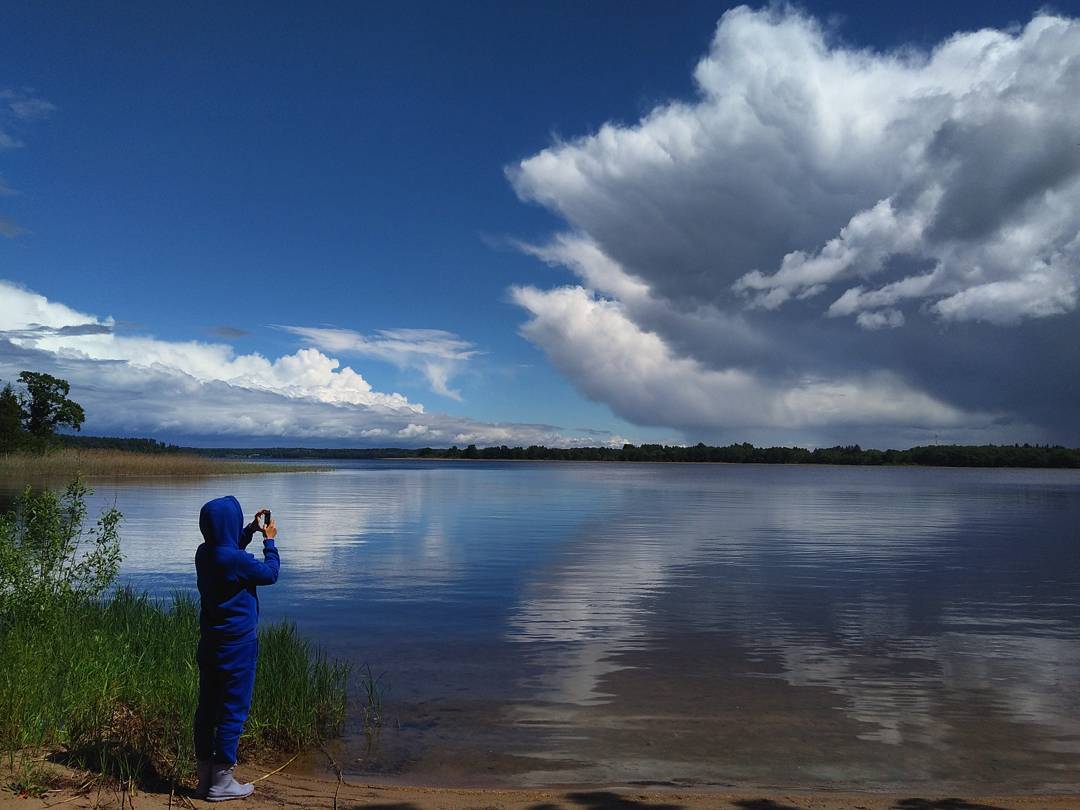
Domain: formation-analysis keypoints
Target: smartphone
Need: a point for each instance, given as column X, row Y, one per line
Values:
column 266, row 518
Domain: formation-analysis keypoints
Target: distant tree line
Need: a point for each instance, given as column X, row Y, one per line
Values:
column 31, row 413
column 120, row 443
column 945, row 455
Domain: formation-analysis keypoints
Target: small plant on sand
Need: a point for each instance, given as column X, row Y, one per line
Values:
column 26, row 777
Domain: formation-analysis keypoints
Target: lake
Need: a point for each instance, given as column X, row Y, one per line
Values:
column 559, row 623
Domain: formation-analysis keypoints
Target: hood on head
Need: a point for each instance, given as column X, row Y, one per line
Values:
column 221, row 521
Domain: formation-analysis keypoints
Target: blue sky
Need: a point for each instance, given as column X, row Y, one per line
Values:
column 359, row 167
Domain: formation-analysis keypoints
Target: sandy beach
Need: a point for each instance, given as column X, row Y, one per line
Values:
column 306, row 792
column 285, row 789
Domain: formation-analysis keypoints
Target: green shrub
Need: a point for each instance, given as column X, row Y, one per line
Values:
column 45, row 555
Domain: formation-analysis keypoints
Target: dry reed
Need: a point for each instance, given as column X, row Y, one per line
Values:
column 100, row 463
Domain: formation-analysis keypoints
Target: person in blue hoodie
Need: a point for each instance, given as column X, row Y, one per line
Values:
column 228, row 640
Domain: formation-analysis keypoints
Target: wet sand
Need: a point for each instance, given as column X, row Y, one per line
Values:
column 296, row 790
column 294, row 784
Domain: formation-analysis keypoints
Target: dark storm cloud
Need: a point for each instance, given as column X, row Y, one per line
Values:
column 992, row 168
column 34, row 331
column 828, row 244
column 228, row 332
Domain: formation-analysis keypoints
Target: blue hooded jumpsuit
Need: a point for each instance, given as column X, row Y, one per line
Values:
column 228, row 642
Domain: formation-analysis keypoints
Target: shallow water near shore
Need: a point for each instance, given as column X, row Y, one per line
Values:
column 559, row 623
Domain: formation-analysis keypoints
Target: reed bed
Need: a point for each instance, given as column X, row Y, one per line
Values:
column 112, row 684
column 101, row 463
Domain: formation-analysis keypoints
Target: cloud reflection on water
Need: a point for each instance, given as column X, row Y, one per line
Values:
column 904, row 678
column 899, row 621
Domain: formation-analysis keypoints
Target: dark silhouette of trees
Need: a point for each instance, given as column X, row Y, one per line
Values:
column 45, row 405
column 11, row 417
column 1016, row 455
column 30, row 417
column 117, row 443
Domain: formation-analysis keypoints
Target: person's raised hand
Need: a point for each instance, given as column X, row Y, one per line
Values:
column 255, row 526
column 270, row 530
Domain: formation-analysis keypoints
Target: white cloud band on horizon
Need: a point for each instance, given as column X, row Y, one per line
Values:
column 134, row 384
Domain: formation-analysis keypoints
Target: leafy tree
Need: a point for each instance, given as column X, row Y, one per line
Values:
column 10, row 420
column 45, row 405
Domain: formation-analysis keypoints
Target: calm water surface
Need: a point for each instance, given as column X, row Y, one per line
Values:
column 543, row 623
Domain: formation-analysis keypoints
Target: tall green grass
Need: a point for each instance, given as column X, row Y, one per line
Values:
column 110, row 682
column 113, row 685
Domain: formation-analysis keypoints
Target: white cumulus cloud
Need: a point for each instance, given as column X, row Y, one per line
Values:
column 437, row 354
column 825, row 235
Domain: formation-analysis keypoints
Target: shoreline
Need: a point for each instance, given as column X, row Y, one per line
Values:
column 809, row 464
column 298, row 789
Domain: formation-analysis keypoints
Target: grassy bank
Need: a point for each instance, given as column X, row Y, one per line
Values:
column 106, row 678
column 67, row 462
column 112, row 685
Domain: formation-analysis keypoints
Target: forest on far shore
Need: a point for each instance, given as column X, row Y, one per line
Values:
column 938, row 455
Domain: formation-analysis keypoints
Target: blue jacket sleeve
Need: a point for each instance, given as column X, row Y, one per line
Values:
column 247, row 534
column 254, row 572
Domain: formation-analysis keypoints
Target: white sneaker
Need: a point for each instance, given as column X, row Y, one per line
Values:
column 224, row 787
column 203, row 768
